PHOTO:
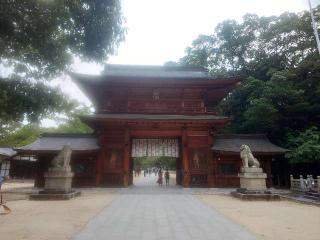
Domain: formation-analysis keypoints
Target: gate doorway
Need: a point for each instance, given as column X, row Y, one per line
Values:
column 149, row 155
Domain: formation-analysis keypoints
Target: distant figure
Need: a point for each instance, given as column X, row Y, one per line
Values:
column 196, row 160
column 167, row 177
column 159, row 181
column 144, row 173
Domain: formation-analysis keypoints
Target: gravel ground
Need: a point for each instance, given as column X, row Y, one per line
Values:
column 270, row 220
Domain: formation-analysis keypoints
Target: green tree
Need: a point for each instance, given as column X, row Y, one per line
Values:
column 26, row 134
column 280, row 93
column 256, row 45
column 163, row 161
column 22, row 100
column 23, row 136
column 305, row 146
column 71, row 123
column 38, row 41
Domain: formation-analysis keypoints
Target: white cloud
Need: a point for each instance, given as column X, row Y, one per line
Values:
column 160, row 30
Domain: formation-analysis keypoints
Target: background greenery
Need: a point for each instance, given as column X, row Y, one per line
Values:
column 148, row 162
column 278, row 62
column 38, row 42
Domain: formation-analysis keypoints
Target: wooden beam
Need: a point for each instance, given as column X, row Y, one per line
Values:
column 126, row 158
column 156, row 133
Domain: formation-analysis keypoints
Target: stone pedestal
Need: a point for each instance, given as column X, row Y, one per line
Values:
column 253, row 179
column 253, row 185
column 58, row 181
column 57, row 186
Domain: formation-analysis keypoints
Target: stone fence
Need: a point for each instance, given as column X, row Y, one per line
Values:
column 305, row 184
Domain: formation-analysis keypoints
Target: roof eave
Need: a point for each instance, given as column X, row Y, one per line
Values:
column 253, row 152
column 48, row 151
column 102, row 78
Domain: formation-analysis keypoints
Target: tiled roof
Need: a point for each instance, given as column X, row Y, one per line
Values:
column 114, row 71
column 157, row 117
column 175, row 72
column 258, row 143
column 7, row 152
column 55, row 142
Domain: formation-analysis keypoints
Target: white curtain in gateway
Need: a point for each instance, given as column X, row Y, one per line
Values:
column 155, row 147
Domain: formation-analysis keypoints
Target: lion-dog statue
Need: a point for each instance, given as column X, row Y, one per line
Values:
column 62, row 160
column 248, row 160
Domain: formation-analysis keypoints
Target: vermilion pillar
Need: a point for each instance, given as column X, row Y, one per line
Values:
column 99, row 163
column 185, row 159
column 210, row 161
column 126, row 159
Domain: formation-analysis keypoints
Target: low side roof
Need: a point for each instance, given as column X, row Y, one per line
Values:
column 258, row 143
column 7, row 152
column 55, row 142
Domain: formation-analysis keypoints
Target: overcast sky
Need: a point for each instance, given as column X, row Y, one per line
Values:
column 160, row 30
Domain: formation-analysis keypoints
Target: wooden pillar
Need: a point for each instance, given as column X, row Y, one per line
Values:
column 98, row 171
column 268, row 171
column 126, row 159
column 99, row 161
column 185, row 159
column 210, row 162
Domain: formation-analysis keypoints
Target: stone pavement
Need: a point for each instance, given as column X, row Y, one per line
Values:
column 146, row 211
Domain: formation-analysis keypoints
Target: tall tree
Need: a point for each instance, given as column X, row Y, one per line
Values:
column 38, row 41
column 281, row 93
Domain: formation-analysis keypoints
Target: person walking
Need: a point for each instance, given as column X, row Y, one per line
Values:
column 167, row 177
column 159, row 181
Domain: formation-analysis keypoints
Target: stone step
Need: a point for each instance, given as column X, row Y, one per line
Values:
column 54, row 196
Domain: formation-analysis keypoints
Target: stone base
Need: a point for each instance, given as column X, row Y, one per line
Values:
column 251, row 170
column 253, row 179
column 58, row 181
column 250, row 195
column 54, row 195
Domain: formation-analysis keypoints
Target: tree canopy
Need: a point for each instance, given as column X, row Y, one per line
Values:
column 280, row 91
column 38, row 42
column 28, row 133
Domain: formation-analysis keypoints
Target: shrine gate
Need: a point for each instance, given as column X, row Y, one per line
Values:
column 153, row 110
column 152, row 102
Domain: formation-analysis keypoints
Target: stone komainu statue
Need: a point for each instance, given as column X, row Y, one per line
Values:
column 248, row 160
column 62, row 161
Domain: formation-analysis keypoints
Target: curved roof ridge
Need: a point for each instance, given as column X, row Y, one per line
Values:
column 258, row 143
column 242, row 135
column 155, row 67
column 48, row 134
column 55, row 142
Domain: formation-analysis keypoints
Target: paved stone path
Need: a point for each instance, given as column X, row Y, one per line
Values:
column 149, row 212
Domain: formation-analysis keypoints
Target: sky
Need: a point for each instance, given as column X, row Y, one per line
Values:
column 159, row 30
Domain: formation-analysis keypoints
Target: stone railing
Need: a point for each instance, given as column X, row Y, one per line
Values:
column 305, row 184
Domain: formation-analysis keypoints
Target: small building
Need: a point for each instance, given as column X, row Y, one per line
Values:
column 83, row 161
column 6, row 154
column 23, row 167
column 148, row 111
column 16, row 166
column 227, row 161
